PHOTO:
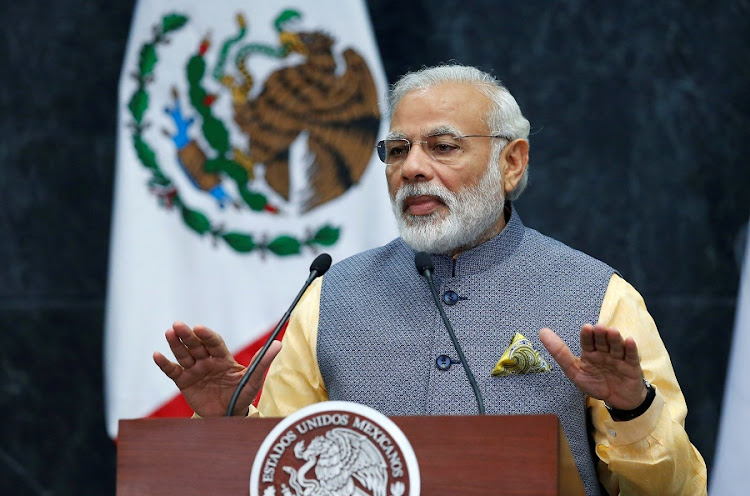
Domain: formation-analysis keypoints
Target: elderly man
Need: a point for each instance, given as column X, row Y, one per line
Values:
column 456, row 156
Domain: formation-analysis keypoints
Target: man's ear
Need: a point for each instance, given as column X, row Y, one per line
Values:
column 513, row 161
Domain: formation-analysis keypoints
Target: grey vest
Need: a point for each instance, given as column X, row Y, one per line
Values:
column 379, row 332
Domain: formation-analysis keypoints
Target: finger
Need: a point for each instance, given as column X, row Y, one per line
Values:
column 271, row 353
column 559, row 351
column 256, row 381
column 616, row 344
column 194, row 345
column 265, row 362
column 631, row 352
column 179, row 350
column 171, row 369
column 587, row 338
column 212, row 341
column 600, row 339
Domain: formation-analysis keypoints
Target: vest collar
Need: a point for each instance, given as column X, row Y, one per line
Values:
column 484, row 256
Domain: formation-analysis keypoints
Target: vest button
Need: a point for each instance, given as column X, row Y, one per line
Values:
column 443, row 362
column 450, row 298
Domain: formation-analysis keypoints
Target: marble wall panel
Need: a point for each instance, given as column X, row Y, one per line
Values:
column 53, row 435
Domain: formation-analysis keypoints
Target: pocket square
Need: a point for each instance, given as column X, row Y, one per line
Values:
column 520, row 358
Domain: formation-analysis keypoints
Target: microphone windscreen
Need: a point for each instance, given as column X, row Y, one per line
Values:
column 423, row 262
column 321, row 264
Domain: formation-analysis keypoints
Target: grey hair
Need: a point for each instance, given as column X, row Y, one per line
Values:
column 504, row 118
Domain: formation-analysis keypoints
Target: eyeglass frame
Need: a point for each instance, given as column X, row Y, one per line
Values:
column 380, row 145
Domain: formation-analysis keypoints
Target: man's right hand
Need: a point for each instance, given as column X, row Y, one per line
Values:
column 206, row 372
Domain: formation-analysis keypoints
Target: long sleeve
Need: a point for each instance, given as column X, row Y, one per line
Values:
column 294, row 380
column 649, row 455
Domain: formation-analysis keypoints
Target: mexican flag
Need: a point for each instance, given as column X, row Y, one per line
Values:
column 246, row 138
column 729, row 474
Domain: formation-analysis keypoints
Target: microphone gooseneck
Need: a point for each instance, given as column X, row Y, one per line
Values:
column 319, row 266
column 424, row 265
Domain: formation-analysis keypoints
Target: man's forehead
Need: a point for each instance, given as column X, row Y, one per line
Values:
column 445, row 108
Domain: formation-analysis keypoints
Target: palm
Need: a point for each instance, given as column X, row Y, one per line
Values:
column 208, row 387
column 206, row 372
column 608, row 368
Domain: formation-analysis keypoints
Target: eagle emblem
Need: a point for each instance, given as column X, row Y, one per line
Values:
column 346, row 464
column 320, row 97
column 339, row 112
column 335, row 448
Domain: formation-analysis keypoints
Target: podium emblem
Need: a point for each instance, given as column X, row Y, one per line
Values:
column 335, row 448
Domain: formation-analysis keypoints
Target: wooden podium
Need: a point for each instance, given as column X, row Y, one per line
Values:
column 480, row 455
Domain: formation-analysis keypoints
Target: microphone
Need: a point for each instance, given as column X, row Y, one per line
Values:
column 319, row 266
column 424, row 265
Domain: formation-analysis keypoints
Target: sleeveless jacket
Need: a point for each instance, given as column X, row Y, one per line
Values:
column 380, row 335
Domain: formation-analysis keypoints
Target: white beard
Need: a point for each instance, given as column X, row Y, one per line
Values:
column 472, row 212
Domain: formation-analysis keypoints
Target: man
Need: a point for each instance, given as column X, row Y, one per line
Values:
column 456, row 156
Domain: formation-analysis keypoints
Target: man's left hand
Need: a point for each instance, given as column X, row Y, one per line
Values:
column 609, row 368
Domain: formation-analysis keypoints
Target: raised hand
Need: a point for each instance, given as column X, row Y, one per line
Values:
column 206, row 372
column 608, row 369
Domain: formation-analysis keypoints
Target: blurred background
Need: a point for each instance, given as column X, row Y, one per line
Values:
column 640, row 114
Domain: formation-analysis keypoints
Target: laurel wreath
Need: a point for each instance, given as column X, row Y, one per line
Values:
column 218, row 138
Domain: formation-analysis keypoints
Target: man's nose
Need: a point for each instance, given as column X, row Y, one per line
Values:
column 418, row 163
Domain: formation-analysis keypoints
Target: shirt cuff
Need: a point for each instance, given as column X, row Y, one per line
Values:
column 630, row 431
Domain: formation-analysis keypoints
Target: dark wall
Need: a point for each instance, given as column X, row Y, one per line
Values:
column 640, row 129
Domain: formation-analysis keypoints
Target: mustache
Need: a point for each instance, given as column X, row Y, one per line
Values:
column 427, row 189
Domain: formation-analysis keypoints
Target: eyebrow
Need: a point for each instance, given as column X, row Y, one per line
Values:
column 436, row 131
column 445, row 129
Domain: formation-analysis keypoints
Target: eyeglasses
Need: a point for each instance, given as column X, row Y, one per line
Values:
column 444, row 148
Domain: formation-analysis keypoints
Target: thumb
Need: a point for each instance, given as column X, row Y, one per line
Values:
column 558, row 349
column 253, row 386
column 271, row 353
